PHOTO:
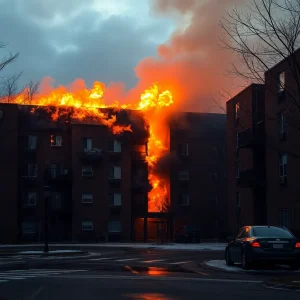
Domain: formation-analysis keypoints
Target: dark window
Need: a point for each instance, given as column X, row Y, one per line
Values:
column 87, row 171
column 115, row 199
column 114, row 172
column 30, row 170
column 184, row 175
column 184, row 149
column 184, row 200
column 29, row 198
column 282, row 124
column 114, row 226
column 87, row 226
column 29, row 228
column 87, row 198
column 56, row 170
column 237, row 110
column 31, row 142
column 282, row 165
column 87, row 144
column 114, row 146
column 271, row 232
column 56, row 201
column 56, row 140
column 284, row 217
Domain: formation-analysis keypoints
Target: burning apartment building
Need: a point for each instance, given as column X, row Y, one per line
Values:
column 98, row 173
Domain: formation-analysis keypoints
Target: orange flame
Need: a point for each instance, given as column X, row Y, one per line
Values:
column 87, row 103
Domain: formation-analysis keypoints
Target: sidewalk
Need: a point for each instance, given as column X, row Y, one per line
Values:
column 171, row 246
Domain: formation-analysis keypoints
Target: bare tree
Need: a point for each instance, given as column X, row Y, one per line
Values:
column 7, row 59
column 262, row 34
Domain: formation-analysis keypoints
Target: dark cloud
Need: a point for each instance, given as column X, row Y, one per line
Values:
column 65, row 41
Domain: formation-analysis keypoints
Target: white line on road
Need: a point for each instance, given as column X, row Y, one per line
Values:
column 12, row 278
column 103, row 258
column 154, row 260
column 158, row 278
column 127, row 259
column 180, row 263
column 36, row 293
column 1, row 281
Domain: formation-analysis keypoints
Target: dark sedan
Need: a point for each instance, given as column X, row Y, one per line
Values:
column 270, row 244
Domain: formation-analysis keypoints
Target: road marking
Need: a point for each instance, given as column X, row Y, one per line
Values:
column 103, row 258
column 180, row 263
column 36, row 293
column 1, row 281
column 127, row 259
column 154, row 260
column 159, row 278
column 12, row 278
column 131, row 270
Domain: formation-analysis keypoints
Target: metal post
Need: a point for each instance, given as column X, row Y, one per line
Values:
column 46, row 190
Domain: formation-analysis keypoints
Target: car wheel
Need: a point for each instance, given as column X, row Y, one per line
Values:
column 245, row 263
column 294, row 266
column 228, row 260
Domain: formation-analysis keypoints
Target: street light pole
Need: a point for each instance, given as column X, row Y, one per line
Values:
column 46, row 191
column 46, row 198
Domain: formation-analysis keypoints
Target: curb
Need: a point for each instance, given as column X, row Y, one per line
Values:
column 281, row 286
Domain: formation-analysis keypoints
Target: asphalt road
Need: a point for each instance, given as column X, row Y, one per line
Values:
column 129, row 274
column 103, row 286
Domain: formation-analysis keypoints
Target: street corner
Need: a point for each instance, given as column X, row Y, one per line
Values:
column 220, row 265
column 284, row 283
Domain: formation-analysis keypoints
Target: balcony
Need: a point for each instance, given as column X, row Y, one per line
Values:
column 91, row 155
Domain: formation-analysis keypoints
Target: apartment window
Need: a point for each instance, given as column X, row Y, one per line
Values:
column 115, row 172
column 87, row 144
column 115, row 199
column 114, row 226
column 30, row 170
column 237, row 169
column 28, row 227
column 284, row 217
column 282, row 124
column 87, row 171
column 282, row 165
column 184, row 149
column 115, row 146
column 184, row 200
column 237, row 110
column 184, row 175
column 238, row 199
column 30, row 199
column 281, row 82
column 31, row 142
column 56, row 200
column 87, row 226
column 87, row 198
column 56, row 170
column 56, row 140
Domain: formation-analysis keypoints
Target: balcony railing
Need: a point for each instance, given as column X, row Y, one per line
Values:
column 91, row 155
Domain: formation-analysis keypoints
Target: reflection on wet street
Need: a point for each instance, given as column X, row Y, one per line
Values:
column 150, row 296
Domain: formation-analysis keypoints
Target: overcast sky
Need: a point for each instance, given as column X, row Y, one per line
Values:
column 93, row 39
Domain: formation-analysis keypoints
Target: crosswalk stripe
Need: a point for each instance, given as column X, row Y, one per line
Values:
column 1, row 281
column 180, row 263
column 103, row 258
column 154, row 260
column 12, row 278
column 127, row 259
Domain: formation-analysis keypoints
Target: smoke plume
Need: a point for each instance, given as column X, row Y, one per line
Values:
column 191, row 63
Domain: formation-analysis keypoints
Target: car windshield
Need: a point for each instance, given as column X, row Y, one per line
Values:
column 271, row 232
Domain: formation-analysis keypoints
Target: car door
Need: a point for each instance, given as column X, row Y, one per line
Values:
column 239, row 242
column 235, row 246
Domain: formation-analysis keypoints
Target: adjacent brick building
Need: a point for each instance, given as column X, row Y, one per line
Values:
column 93, row 185
column 263, row 136
column 198, row 176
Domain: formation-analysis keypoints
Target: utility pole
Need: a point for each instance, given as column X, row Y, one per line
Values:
column 46, row 202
